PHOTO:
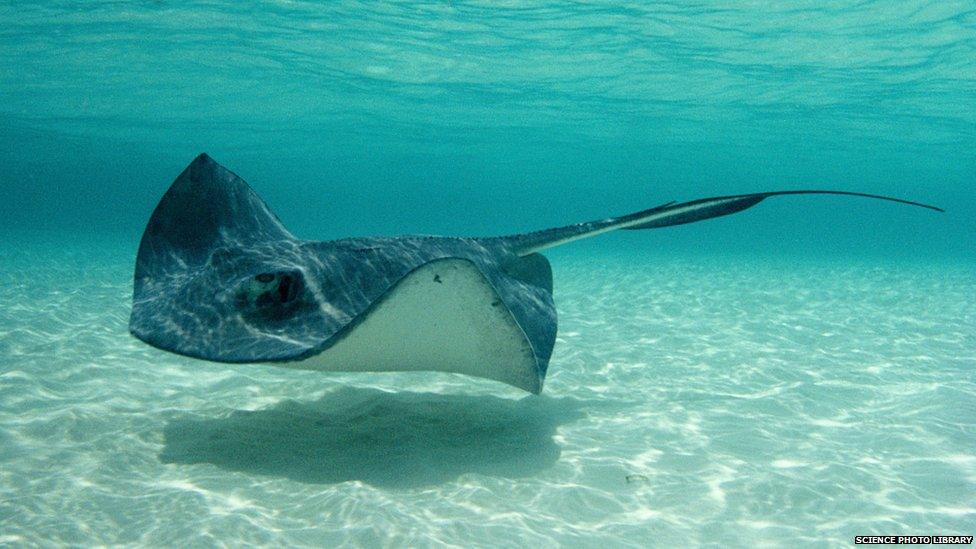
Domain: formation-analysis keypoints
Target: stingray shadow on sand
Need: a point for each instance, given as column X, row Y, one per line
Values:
column 394, row 440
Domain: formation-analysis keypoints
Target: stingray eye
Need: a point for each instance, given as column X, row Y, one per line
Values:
column 271, row 290
column 287, row 288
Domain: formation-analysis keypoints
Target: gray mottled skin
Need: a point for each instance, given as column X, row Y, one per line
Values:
column 211, row 237
column 218, row 277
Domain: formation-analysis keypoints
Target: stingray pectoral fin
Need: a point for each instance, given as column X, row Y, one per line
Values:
column 206, row 207
column 668, row 215
column 532, row 269
column 207, row 240
column 444, row 316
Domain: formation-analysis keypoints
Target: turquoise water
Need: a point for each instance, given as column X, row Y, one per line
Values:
column 799, row 373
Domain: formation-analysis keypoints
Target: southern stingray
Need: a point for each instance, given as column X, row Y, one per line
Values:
column 218, row 277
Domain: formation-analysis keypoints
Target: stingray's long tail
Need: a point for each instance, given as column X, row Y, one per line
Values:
column 667, row 215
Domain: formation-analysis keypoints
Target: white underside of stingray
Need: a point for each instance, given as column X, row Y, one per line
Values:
column 443, row 317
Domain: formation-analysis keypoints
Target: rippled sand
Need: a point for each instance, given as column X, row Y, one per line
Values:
column 689, row 400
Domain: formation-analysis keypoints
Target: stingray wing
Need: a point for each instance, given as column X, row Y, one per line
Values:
column 205, row 208
column 205, row 251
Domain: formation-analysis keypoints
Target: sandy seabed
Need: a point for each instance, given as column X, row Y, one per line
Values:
column 736, row 401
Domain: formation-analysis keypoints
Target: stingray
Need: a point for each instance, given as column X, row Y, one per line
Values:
column 218, row 277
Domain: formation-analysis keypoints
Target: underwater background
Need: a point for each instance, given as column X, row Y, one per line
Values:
column 796, row 374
